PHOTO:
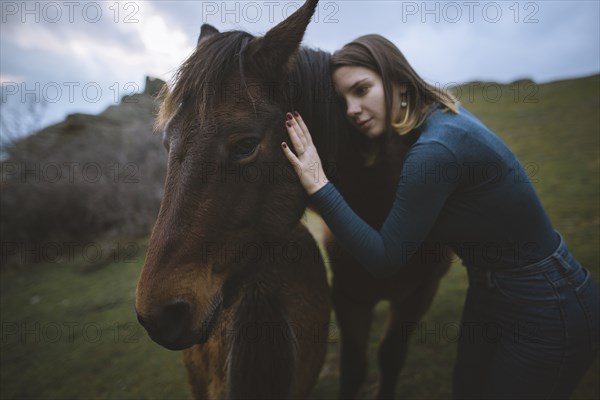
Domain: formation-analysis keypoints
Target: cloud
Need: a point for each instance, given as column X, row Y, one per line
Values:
column 120, row 42
column 101, row 56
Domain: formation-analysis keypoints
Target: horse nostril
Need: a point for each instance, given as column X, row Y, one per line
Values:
column 171, row 325
column 175, row 319
column 176, row 312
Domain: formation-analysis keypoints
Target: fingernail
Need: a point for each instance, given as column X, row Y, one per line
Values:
column 289, row 116
column 296, row 114
column 284, row 145
column 289, row 124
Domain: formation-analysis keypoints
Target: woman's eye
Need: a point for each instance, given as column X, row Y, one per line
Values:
column 362, row 90
column 244, row 148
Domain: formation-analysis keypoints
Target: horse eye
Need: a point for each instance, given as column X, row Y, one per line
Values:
column 244, row 148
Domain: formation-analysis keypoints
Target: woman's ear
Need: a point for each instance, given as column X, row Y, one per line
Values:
column 399, row 105
column 398, row 92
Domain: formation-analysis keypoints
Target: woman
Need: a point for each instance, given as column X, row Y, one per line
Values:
column 529, row 327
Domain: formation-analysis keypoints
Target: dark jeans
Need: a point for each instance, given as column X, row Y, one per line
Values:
column 527, row 333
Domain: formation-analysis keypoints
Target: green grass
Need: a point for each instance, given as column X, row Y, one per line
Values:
column 102, row 352
column 67, row 333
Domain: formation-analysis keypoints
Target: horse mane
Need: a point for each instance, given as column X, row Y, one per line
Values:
column 200, row 80
column 263, row 339
column 313, row 95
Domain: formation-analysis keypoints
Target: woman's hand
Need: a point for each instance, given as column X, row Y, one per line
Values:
column 307, row 163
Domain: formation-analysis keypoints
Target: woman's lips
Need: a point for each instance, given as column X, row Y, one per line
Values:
column 363, row 122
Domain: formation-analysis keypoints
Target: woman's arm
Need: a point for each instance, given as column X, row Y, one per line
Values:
column 422, row 192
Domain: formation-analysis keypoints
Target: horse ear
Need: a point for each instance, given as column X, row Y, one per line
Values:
column 206, row 31
column 276, row 48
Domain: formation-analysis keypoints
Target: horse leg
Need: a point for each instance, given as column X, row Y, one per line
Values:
column 403, row 318
column 354, row 321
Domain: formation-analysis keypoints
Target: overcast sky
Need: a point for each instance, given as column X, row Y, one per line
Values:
column 83, row 56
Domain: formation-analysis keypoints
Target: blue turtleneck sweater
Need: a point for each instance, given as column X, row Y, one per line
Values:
column 460, row 185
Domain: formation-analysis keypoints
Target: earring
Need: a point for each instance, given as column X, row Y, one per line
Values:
column 403, row 102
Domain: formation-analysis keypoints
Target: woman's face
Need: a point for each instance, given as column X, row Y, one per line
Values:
column 362, row 89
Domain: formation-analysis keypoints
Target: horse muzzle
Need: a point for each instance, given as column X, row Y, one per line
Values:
column 173, row 325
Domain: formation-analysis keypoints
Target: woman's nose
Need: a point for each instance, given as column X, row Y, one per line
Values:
column 353, row 109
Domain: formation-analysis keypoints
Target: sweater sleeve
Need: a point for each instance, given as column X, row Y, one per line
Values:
column 428, row 178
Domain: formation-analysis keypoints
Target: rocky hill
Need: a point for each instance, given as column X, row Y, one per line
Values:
column 88, row 179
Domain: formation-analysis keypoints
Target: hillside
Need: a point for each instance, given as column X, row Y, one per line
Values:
column 89, row 178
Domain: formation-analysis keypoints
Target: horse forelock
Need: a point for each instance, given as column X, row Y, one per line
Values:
column 200, row 78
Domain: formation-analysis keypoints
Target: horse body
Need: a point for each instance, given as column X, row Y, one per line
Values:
column 370, row 191
column 231, row 277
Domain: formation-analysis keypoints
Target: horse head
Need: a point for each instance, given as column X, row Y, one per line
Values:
column 229, row 189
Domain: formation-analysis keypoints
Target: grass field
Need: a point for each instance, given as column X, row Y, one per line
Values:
column 71, row 332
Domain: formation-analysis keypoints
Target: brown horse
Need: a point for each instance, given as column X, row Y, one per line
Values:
column 230, row 275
